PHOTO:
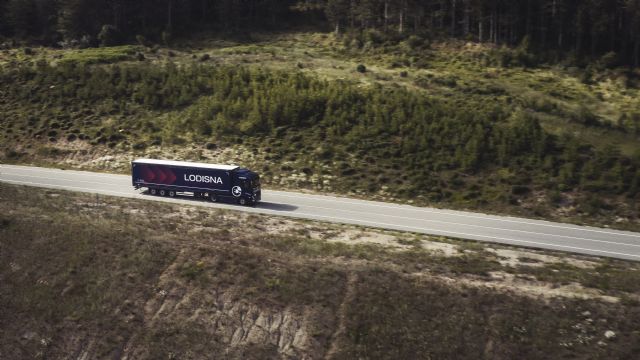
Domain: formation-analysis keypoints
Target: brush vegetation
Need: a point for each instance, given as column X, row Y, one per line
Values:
column 434, row 125
column 74, row 285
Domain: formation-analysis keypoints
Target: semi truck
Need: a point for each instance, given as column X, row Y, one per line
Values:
column 208, row 181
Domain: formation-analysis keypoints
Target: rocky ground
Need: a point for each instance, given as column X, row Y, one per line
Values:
column 87, row 276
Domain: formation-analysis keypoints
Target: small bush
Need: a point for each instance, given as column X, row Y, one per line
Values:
column 520, row 190
column 373, row 36
column 139, row 145
column 109, row 36
column 608, row 60
column 12, row 154
column 585, row 116
column 361, row 69
column 166, row 38
column 141, row 40
column 414, row 42
column 421, row 63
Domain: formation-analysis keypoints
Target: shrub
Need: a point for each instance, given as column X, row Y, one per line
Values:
column 166, row 38
column 109, row 35
column 414, row 42
column 421, row 63
column 373, row 36
column 361, row 69
column 139, row 145
column 608, row 60
column 12, row 154
column 585, row 116
column 520, row 190
column 586, row 76
column 141, row 40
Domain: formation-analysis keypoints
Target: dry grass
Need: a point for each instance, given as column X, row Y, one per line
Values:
column 106, row 277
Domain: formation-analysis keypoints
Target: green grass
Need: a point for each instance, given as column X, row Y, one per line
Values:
column 102, row 55
column 163, row 118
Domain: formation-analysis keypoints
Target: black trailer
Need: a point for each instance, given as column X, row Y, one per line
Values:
column 210, row 181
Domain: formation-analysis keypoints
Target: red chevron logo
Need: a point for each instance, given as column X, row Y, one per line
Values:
column 147, row 174
column 171, row 177
column 161, row 175
column 158, row 175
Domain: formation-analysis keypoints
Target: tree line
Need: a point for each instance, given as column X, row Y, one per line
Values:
column 589, row 28
column 582, row 27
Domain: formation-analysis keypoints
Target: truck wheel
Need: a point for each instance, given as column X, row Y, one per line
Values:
column 243, row 201
column 153, row 192
column 213, row 197
column 163, row 193
column 172, row 193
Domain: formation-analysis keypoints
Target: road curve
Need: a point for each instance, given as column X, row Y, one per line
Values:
column 459, row 224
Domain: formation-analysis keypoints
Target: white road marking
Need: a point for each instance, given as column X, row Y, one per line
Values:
column 480, row 226
column 457, row 213
column 68, row 187
column 466, row 235
column 319, row 199
column 376, row 204
column 74, row 180
column 396, row 216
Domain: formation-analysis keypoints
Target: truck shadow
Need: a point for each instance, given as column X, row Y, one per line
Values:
column 276, row 206
column 260, row 205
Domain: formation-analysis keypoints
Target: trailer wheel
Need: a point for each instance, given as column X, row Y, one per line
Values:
column 243, row 201
column 213, row 197
column 172, row 193
column 153, row 192
column 163, row 192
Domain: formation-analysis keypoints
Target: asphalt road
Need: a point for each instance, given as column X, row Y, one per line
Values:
column 459, row 224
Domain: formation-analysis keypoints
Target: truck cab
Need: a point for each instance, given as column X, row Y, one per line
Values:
column 249, row 184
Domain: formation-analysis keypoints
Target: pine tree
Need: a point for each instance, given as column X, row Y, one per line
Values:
column 22, row 16
column 337, row 12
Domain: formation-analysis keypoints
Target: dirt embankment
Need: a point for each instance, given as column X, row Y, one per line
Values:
column 87, row 277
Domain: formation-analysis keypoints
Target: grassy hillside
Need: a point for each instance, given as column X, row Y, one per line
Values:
column 101, row 277
column 452, row 125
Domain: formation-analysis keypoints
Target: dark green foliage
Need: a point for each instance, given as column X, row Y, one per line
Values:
column 361, row 68
column 603, row 32
column 389, row 130
column 109, row 36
